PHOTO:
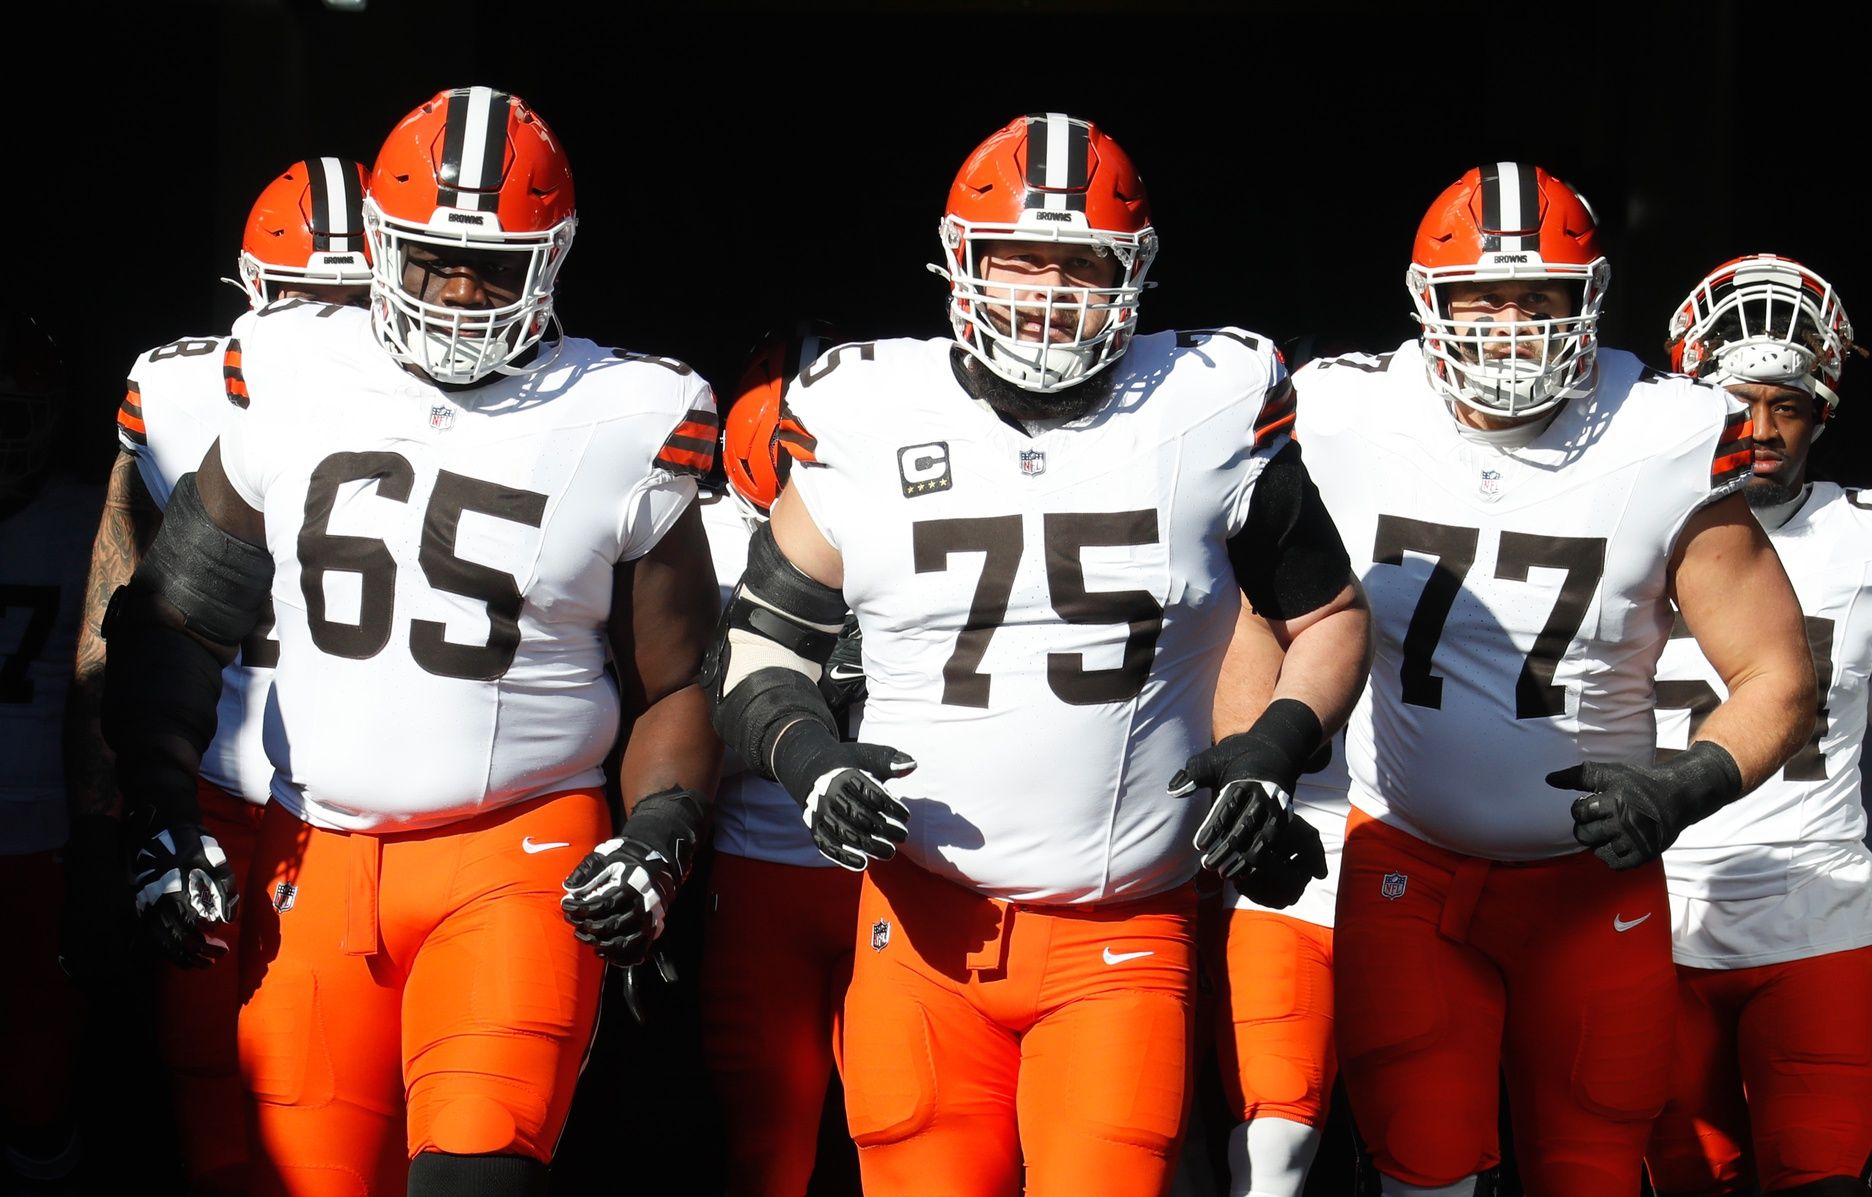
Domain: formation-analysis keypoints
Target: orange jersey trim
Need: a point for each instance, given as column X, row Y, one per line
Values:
column 235, row 381
column 801, row 445
column 1277, row 414
column 130, row 415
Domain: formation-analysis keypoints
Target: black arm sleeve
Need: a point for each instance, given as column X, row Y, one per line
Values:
column 1288, row 557
column 162, row 681
column 775, row 602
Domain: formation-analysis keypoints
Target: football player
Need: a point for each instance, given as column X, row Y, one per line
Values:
column 1273, row 961
column 456, row 511
column 1523, row 506
column 303, row 241
column 777, row 944
column 1044, row 527
column 1771, row 898
column 45, row 518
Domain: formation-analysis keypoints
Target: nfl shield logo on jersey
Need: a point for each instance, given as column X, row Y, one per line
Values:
column 1393, row 885
column 1033, row 462
column 880, row 935
column 1491, row 483
column 284, row 895
column 441, row 416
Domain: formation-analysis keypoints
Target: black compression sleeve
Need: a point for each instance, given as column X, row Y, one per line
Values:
column 1288, row 557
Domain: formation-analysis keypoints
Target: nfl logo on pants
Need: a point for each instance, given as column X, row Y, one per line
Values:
column 1393, row 885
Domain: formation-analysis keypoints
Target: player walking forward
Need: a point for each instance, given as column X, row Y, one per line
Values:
column 304, row 241
column 1044, row 532
column 1771, row 899
column 455, row 515
column 1522, row 507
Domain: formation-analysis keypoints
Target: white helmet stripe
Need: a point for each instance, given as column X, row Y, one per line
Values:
column 473, row 149
column 336, row 206
column 1057, row 146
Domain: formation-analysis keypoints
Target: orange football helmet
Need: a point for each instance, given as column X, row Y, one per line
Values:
column 307, row 229
column 1509, row 221
column 1047, row 177
column 475, row 169
column 751, row 457
column 1763, row 318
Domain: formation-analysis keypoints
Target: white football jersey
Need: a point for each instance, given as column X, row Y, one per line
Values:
column 1044, row 617
column 1800, row 824
column 443, row 560
column 176, row 405
column 1518, row 594
column 754, row 817
column 45, row 553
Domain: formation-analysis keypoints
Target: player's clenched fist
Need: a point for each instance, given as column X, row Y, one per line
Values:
column 853, row 819
column 1251, row 835
column 183, row 887
column 618, row 898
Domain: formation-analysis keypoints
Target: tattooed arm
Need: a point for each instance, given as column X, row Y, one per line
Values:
column 130, row 521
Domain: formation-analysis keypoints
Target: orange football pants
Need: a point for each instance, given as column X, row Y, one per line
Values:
column 1274, row 1022
column 1556, row 972
column 196, row 1010
column 981, row 1032
column 1796, row 1038
column 38, row 1003
column 776, row 957
column 410, row 992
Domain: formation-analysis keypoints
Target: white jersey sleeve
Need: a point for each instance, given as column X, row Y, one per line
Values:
column 1044, row 617
column 177, row 405
column 1518, row 593
column 444, row 561
column 44, row 556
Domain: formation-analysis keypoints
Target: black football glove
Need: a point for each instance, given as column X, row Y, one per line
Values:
column 185, row 894
column 1634, row 812
column 1251, row 826
column 97, row 928
column 853, row 819
column 842, row 682
column 618, row 898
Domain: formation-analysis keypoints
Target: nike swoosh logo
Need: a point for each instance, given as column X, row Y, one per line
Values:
column 1619, row 924
column 1112, row 957
column 844, row 673
column 529, row 847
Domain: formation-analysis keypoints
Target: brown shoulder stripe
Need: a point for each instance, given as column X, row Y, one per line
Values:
column 690, row 448
column 1277, row 413
column 130, row 415
column 231, row 375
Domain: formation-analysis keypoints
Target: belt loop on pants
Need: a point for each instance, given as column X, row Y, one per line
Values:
column 364, row 853
column 1464, row 892
column 990, row 956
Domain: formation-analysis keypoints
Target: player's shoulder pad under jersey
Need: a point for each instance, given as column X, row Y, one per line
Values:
column 1325, row 389
column 272, row 347
column 1848, row 507
column 181, row 371
column 1215, row 369
column 664, row 387
column 1686, row 411
column 849, row 389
